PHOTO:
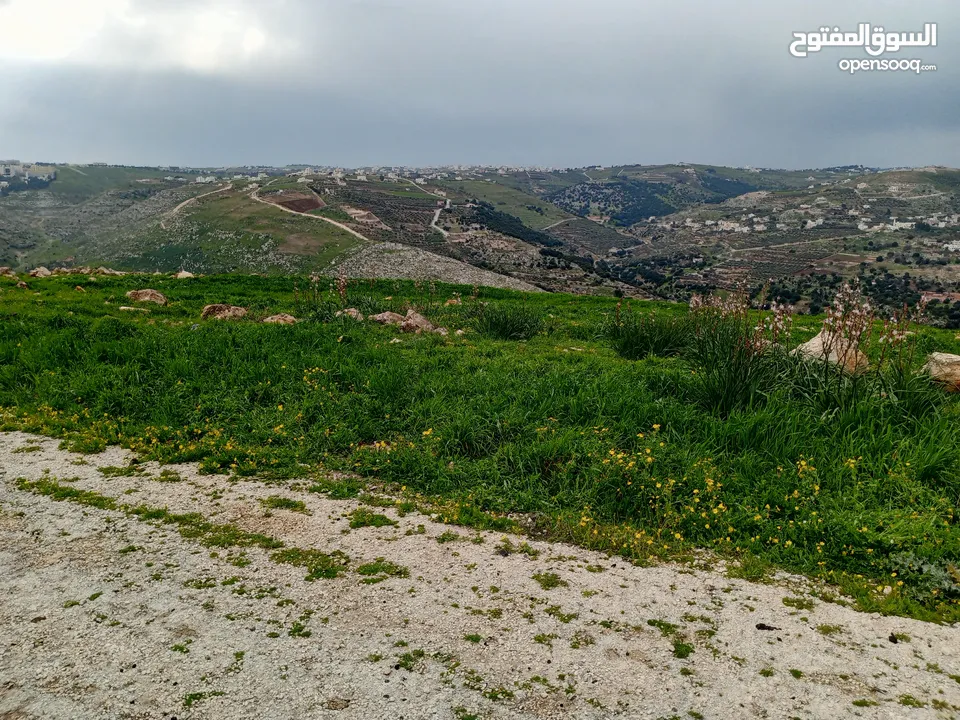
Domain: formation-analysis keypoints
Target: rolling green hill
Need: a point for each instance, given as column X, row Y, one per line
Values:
column 532, row 211
column 76, row 183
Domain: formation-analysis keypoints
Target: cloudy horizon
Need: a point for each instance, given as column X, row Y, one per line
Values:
column 560, row 83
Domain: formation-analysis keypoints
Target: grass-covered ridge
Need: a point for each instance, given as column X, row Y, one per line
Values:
column 854, row 482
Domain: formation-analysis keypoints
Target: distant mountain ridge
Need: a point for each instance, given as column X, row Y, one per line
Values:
column 645, row 230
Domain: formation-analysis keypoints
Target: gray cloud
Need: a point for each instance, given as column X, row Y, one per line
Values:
column 554, row 82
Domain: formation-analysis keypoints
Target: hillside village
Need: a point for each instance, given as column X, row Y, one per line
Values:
column 632, row 230
column 15, row 173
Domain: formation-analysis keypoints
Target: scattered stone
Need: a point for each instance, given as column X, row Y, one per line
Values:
column 350, row 312
column 441, row 331
column 147, row 296
column 835, row 350
column 416, row 323
column 107, row 271
column 125, row 308
column 7, row 272
column 22, row 285
column 454, row 301
column 219, row 311
column 40, row 272
column 79, row 289
column 460, row 333
column 281, row 319
column 183, row 275
column 396, row 341
column 388, row 318
column 945, row 369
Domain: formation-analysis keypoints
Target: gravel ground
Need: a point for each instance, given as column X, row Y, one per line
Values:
column 392, row 260
column 104, row 615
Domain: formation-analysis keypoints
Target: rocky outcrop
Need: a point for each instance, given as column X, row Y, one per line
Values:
column 147, row 296
column 219, row 311
column 416, row 323
column 281, row 319
column 183, row 275
column 945, row 369
column 835, row 350
column 7, row 272
column 388, row 318
column 40, row 272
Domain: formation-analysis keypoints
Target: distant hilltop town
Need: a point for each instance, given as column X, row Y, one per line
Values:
column 16, row 172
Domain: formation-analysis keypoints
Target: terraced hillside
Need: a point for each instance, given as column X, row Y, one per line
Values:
column 646, row 231
column 83, row 207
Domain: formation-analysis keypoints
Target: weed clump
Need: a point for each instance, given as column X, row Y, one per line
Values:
column 506, row 322
column 363, row 517
column 381, row 569
column 275, row 502
column 549, row 580
column 634, row 334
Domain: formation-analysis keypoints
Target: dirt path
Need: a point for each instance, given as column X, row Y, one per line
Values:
column 107, row 613
column 754, row 248
column 173, row 213
column 436, row 219
column 255, row 195
column 553, row 225
column 423, row 188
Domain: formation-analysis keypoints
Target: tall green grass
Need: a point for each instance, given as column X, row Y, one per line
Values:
column 635, row 334
column 560, row 426
column 513, row 321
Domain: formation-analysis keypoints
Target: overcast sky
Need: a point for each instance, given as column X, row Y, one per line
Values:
column 428, row 82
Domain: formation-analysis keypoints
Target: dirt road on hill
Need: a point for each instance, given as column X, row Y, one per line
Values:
column 107, row 613
column 173, row 213
column 255, row 195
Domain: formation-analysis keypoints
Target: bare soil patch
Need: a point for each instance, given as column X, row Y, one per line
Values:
column 109, row 613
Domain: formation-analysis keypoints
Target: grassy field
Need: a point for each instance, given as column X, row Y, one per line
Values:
column 646, row 433
column 249, row 221
column 284, row 183
column 78, row 183
column 508, row 200
column 400, row 189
